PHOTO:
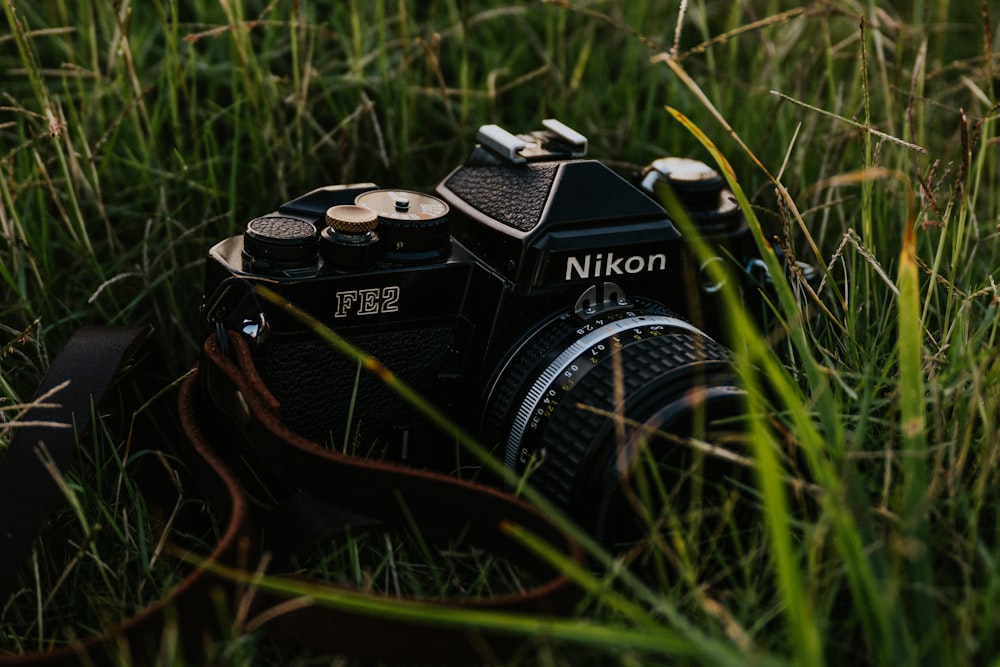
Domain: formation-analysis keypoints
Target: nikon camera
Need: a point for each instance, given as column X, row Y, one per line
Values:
column 537, row 297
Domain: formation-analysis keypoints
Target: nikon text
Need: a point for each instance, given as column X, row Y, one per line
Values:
column 600, row 265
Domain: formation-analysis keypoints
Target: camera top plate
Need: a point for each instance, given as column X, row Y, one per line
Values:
column 547, row 219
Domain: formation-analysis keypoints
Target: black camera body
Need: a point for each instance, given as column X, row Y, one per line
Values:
column 534, row 298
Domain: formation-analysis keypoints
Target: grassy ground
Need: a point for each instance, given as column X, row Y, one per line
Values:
column 135, row 134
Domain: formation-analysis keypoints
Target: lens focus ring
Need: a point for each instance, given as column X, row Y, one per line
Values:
column 556, row 396
column 665, row 366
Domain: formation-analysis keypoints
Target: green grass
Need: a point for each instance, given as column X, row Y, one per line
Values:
column 134, row 135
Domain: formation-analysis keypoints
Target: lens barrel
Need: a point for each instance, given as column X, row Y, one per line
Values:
column 580, row 403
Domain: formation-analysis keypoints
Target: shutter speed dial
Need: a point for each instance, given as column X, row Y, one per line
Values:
column 414, row 227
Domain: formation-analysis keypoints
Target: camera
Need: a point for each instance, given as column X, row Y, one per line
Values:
column 538, row 297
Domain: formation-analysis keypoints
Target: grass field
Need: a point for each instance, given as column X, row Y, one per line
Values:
column 133, row 135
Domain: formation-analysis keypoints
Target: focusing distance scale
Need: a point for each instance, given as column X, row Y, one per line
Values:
column 557, row 400
column 572, row 364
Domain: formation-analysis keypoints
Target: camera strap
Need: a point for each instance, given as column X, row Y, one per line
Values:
column 79, row 377
column 225, row 414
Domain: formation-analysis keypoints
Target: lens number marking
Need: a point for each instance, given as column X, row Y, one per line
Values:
column 554, row 383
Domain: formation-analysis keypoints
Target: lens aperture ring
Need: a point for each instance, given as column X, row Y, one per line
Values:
column 660, row 354
column 537, row 351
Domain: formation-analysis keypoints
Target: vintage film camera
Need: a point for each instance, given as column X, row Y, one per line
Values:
column 534, row 297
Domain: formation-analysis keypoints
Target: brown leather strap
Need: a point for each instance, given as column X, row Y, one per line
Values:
column 437, row 503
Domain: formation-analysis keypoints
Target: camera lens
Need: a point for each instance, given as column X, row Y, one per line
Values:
column 586, row 405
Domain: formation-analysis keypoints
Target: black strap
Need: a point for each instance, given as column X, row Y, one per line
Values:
column 86, row 367
column 90, row 362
